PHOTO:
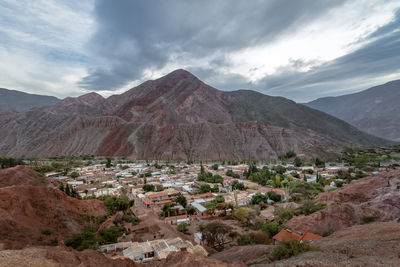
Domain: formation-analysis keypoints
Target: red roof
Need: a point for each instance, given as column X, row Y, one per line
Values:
column 162, row 202
column 310, row 236
column 147, row 201
column 285, row 235
column 160, row 194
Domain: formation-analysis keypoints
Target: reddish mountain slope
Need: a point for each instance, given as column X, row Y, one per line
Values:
column 176, row 117
column 33, row 204
column 377, row 195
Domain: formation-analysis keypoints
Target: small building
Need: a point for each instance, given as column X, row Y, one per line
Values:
column 158, row 196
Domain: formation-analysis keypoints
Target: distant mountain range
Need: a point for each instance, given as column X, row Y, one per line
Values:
column 177, row 117
column 375, row 110
column 19, row 101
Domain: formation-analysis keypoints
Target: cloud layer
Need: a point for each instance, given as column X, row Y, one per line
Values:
column 301, row 49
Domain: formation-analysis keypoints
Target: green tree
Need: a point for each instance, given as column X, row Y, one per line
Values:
column 148, row 187
column 108, row 162
column 236, row 185
column 205, row 188
column 259, row 197
column 181, row 199
column 74, row 175
column 215, row 167
column 216, row 234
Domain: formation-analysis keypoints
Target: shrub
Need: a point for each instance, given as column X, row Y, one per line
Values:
column 110, row 235
column 84, row 240
column 130, row 219
column 46, row 231
column 288, row 249
column 283, row 215
column 368, row 219
column 244, row 240
column 274, row 196
column 182, row 227
column 270, row 228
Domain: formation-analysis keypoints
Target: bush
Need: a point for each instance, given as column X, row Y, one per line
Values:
column 270, row 228
column 283, row 215
column 182, row 227
column 110, row 235
column 259, row 197
column 244, row 240
column 288, row 249
column 274, row 196
column 84, row 240
column 368, row 219
column 46, row 231
column 254, row 238
column 215, row 167
column 130, row 219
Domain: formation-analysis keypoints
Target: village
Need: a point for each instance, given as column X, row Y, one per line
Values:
column 178, row 206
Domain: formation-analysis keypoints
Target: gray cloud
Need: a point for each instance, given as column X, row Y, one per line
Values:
column 379, row 56
column 133, row 36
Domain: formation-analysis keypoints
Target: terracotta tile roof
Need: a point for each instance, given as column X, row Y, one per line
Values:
column 160, row 194
column 285, row 235
column 310, row 236
column 147, row 201
column 162, row 202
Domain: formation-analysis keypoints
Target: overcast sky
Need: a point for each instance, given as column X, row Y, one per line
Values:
column 300, row 49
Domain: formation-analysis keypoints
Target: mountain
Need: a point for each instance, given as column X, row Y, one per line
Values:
column 19, row 101
column 177, row 117
column 375, row 110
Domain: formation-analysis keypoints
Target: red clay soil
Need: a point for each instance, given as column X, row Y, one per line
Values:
column 21, row 175
column 26, row 210
column 376, row 195
column 58, row 256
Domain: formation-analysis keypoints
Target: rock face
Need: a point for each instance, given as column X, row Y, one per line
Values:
column 19, row 101
column 375, row 110
column 377, row 195
column 176, row 117
column 33, row 204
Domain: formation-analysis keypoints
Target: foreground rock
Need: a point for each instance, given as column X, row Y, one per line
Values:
column 376, row 196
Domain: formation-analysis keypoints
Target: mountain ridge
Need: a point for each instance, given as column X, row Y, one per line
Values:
column 374, row 110
column 178, row 117
column 20, row 101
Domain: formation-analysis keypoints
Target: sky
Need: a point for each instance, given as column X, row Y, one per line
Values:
column 299, row 49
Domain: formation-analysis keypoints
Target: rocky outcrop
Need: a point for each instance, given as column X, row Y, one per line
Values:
column 376, row 195
column 176, row 117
